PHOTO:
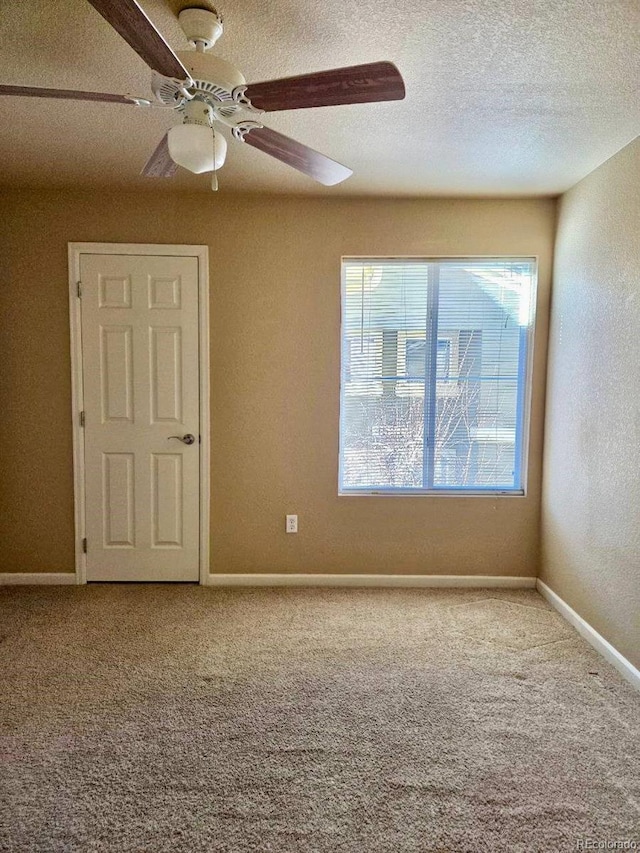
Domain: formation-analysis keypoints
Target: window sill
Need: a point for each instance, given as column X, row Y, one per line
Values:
column 434, row 493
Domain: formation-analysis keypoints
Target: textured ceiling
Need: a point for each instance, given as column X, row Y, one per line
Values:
column 504, row 97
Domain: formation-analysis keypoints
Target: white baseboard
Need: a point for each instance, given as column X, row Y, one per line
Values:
column 604, row 647
column 285, row 579
column 308, row 580
column 37, row 578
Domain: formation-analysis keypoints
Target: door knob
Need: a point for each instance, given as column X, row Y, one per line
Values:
column 185, row 439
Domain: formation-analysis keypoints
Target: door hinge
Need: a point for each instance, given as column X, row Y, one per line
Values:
column 84, row 546
column 82, row 419
column 79, row 285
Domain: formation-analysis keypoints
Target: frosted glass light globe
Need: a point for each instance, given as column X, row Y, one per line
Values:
column 196, row 148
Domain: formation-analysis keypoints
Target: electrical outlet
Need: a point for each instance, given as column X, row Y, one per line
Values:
column 292, row 524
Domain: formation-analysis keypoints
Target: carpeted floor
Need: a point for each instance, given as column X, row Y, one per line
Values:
column 183, row 719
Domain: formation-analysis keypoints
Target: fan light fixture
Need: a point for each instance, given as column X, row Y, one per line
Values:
column 194, row 144
column 197, row 148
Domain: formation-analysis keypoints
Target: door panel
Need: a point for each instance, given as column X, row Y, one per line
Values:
column 118, row 505
column 166, row 374
column 166, row 498
column 116, row 373
column 141, row 387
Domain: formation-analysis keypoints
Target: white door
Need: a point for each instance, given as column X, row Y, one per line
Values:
column 141, row 390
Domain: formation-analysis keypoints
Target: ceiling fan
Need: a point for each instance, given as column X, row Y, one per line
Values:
column 208, row 90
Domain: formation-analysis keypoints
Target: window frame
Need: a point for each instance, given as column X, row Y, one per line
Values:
column 525, row 388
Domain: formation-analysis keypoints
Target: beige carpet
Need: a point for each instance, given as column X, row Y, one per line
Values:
column 155, row 718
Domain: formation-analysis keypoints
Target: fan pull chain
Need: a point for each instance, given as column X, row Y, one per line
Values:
column 214, row 174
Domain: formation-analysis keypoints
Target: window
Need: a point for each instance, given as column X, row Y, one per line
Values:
column 434, row 385
column 415, row 355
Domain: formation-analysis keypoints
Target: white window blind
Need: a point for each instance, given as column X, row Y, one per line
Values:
column 435, row 374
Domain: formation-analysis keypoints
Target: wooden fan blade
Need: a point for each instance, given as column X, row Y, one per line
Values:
column 160, row 164
column 358, row 84
column 297, row 155
column 131, row 22
column 69, row 94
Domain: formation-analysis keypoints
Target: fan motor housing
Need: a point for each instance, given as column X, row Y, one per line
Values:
column 213, row 78
column 212, row 69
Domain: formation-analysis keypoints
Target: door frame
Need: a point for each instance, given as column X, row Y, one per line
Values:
column 76, row 250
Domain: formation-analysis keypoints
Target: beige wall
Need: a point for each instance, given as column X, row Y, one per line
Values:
column 275, row 317
column 591, row 503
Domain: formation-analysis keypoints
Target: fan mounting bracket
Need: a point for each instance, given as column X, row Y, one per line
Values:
column 202, row 27
column 139, row 102
column 239, row 97
column 240, row 130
